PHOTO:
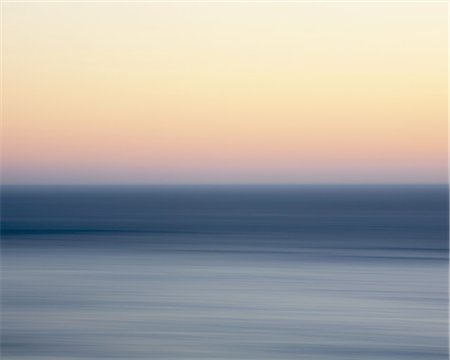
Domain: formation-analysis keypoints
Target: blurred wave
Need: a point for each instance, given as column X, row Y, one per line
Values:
column 225, row 272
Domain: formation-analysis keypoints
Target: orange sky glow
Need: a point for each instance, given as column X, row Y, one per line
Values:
column 225, row 93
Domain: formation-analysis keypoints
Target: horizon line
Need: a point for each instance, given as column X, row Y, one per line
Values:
column 217, row 184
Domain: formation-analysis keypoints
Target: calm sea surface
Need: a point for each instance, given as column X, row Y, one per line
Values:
column 225, row 272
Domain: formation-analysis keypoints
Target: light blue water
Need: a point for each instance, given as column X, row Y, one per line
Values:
column 325, row 272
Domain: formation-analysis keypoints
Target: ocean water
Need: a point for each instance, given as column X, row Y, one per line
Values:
column 225, row 272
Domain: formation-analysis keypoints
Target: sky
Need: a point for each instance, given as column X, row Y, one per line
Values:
column 168, row 93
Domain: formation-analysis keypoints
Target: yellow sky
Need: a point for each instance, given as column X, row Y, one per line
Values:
column 216, row 92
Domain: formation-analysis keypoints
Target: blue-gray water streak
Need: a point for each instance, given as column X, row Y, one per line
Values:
column 253, row 272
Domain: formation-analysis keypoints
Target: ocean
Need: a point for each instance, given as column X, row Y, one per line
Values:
column 325, row 272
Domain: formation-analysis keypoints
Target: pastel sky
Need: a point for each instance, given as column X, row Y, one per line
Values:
column 225, row 92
